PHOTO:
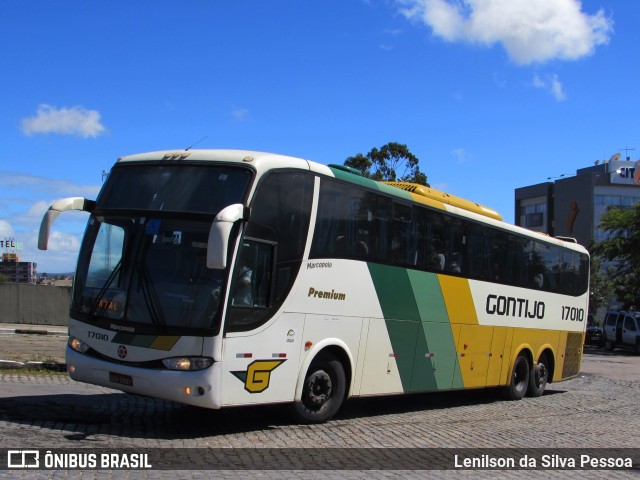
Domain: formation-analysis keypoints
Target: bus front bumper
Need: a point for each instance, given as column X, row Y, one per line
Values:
column 199, row 388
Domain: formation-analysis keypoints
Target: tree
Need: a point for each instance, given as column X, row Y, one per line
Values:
column 622, row 251
column 601, row 289
column 385, row 164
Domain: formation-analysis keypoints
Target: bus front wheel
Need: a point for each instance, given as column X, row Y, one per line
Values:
column 322, row 392
column 519, row 382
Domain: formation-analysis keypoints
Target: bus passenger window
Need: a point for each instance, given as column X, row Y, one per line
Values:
column 250, row 286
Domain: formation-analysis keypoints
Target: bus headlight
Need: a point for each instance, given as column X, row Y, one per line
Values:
column 78, row 345
column 188, row 363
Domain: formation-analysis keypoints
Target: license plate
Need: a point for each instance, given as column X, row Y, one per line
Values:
column 121, row 379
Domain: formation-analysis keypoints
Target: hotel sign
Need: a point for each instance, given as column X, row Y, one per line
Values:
column 10, row 243
column 624, row 173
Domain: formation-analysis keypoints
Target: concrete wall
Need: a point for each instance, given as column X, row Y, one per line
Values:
column 34, row 304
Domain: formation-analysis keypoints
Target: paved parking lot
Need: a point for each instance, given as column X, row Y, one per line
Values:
column 597, row 410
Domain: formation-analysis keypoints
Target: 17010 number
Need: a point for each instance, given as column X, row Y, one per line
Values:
column 573, row 314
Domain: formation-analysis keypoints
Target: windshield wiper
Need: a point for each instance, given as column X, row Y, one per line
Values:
column 105, row 287
column 150, row 297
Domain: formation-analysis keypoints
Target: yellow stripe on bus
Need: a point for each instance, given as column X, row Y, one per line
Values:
column 164, row 342
column 457, row 298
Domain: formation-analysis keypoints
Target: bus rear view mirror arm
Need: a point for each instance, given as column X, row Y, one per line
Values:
column 218, row 243
column 64, row 205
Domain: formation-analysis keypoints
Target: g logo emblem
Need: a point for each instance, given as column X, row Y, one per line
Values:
column 256, row 378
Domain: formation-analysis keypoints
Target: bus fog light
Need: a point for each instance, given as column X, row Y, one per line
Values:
column 78, row 345
column 187, row 363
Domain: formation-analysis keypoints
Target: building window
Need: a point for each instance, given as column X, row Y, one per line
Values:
column 606, row 203
column 533, row 215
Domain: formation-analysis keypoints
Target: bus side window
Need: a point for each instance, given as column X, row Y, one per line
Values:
column 381, row 215
column 456, row 246
column 251, row 279
column 436, row 259
column 548, row 260
column 274, row 238
column 401, row 241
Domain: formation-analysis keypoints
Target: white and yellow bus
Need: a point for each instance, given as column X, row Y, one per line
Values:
column 220, row 278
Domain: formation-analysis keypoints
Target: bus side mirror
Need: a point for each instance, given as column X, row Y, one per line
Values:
column 218, row 243
column 64, row 205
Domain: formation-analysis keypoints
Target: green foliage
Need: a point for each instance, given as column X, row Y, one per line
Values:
column 384, row 164
column 3, row 278
column 621, row 251
column 601, row 289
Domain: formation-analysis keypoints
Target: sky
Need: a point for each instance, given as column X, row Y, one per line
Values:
column 490, row 95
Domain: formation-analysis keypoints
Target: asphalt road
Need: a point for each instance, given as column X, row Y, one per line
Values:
column 619, row 364
column 370, row 438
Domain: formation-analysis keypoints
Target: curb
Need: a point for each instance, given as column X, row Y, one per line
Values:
column 30, row 331
column 53, row 366
column 33, row 365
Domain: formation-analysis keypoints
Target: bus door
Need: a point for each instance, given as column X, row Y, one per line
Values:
column 262, row 345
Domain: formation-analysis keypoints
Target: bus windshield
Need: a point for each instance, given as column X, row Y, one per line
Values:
column 142, row 266
column 174, row 188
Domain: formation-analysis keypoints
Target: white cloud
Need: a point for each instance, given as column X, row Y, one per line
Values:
column 38, row 209
column 51, row 186
column 240, row 114
column 394, row 32
column 64, row 242
column 460, row 154
column 24, row 199
column 64, row 121
column 6, row 230
column 531, row 31
column 552, row 85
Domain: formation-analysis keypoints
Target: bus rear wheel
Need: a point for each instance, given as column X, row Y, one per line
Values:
column 519, row 383
column 538, row 378
column 323, row 391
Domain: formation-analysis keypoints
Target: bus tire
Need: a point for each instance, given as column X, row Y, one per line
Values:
column 323, row 391
column 538, row 378
column 519, row 382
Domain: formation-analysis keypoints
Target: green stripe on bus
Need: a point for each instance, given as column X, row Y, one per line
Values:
column 353, row 178
column 143, row 340
column 123, row 338
column 401, row 315
column 436, row 355
column 419, row 328
column 368, row 183
column 395, row 292
column 428, row 295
